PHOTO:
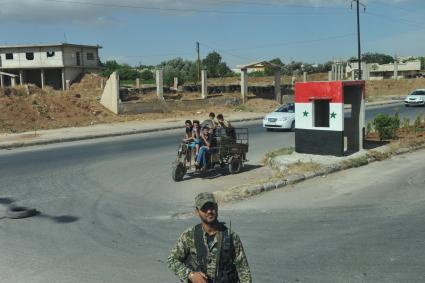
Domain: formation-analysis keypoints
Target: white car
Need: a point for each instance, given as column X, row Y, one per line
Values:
column 417, row 97
column 282, row 118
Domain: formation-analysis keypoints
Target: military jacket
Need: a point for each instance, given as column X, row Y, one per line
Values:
column 185, row 247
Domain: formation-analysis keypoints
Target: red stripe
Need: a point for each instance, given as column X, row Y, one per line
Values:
column 333, row 91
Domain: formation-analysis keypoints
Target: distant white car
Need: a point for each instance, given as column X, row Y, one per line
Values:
column 417, row 97
column 282, row 118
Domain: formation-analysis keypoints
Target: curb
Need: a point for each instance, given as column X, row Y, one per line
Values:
column 97, row 136
column 246, row 191
column 131, row 132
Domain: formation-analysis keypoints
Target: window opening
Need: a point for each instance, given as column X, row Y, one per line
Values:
column 29, row 55
column 9, row 56
column 321, row 113
column 78, row 59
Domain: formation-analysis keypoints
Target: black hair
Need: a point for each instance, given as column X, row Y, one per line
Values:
column 188, row 122
column 212, row 115
column 220, row 116
column 196, row 122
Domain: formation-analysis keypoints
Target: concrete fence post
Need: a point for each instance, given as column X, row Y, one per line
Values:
column 160, row 84
column 2, row 80
column 176, row 83
column 13, row 81
column 330, row 76
column 244, row 84
column 277, row 92
column 138, row 83
column 68, row 85
column 395, row 69
column 204, row 86
column 305, row 76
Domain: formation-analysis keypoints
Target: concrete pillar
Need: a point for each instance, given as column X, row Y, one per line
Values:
column 204, row 86
column 333, row 72
column 21, row 77
column 330, row 76
column 339, row 71
column 102, row 83
column 13, row 81
column 63, row 80
column 43, row 79
column 353, row 77
column 138, row 83
column 396, row 68
column 277, row 92
column 2, row 80
column 365, row 71
column 244, row 84
column 176, row 83
column 160, row 83
column 305, row 76
column 67, row 84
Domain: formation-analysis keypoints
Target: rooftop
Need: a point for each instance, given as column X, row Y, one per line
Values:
column 49, row 45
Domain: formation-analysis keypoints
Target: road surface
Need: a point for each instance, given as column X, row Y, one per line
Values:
column 110, row 213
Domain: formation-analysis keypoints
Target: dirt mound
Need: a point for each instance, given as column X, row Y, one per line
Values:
column 21, row 111
column 88, row 82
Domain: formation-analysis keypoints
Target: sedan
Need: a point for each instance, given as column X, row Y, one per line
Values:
column 415, row 98
column 282, row 118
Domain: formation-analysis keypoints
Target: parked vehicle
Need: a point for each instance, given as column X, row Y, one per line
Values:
column 282, row 118
column 231, row 147
column 417, row 97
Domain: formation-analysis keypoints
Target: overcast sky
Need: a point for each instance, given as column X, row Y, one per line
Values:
column 150, row 31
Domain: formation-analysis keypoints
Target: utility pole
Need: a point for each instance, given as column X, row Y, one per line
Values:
column 359, row 51
column 198, row 61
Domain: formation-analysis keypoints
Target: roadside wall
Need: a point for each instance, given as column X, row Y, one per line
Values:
column 110, row 97
column 182, row 105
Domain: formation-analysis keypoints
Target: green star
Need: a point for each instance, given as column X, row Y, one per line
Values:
column 305, row 113
column 333, row 115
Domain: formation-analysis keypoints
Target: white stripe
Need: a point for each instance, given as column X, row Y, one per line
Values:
column 302, row 121
column 306, row 122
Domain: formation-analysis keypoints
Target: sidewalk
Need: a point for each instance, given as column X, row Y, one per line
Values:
column 8, row 141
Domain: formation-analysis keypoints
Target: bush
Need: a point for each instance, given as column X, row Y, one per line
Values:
column 386, row 126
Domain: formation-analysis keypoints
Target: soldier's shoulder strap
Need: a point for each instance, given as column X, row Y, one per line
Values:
column 201, row 249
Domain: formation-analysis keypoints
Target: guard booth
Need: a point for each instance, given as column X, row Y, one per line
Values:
column 322, row 125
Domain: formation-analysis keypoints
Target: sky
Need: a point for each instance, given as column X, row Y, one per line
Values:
column 242, row 31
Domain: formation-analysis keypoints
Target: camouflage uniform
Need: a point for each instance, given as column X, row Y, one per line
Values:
column 185, row 249
column 186, row 246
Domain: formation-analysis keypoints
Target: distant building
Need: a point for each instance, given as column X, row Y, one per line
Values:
column 408, row 69
column 47, row 64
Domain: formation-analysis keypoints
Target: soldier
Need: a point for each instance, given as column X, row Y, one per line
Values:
column 209, row 252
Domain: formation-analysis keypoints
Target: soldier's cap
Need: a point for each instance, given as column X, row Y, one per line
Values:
column 204, row 198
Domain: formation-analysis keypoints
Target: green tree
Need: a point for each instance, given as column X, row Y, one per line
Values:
column 215, row 67
column 270, row 71
column 378, row 58
column 184, row 70
column 146, row 75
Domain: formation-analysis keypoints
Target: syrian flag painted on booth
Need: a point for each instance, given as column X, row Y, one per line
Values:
column 319, row 108
column 306, row 116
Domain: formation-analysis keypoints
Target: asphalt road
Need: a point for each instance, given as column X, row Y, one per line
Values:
column 110, row 211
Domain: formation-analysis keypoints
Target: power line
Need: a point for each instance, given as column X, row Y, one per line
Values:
column 186, row 10
column 294, row 42
column 400, row 20
column 274, row 4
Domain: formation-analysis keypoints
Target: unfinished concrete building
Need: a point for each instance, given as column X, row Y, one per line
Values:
column 55, row 65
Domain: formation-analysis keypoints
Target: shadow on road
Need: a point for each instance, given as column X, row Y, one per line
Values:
column 219, row 172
